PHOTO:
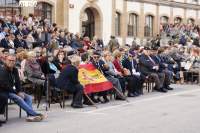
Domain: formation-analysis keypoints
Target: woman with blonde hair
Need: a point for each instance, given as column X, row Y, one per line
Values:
column 22, row 58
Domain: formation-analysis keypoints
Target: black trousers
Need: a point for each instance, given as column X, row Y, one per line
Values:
column 3, row 102
column 77, row 91
column 159, row 79
column 138, row 82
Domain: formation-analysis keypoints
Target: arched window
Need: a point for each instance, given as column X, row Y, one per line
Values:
column 9, row 7
column 117, row 23
column 88, row 23
column 191, row 21
column 164, row 20
column 177, row 20
column 133, row 25
column 43, row 10
column 148, row 29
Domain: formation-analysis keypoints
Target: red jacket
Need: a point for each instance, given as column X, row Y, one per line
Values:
column 117, row 65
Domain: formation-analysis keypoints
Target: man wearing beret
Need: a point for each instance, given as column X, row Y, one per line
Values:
column 149, row 68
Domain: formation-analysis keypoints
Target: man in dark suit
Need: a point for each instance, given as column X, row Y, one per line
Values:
column 5, row 42
column 162, row 68
column 131, row 64
column 19, row 42
column 149, row 68
column 104, row 69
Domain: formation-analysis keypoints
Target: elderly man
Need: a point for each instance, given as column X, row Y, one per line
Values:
column 10, row 86
column 148, row 67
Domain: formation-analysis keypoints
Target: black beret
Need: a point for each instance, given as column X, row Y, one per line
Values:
column 146, row 48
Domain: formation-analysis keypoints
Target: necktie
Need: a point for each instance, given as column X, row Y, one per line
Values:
column 152, row 60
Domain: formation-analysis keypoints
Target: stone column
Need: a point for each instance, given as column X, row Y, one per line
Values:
column 66, row 13
column 60, row 12
column 185, row 16
column 157, row 21
column 113, row 17
column 124, row 23
column 197, row 17
column 171, row 19
column 141, row 21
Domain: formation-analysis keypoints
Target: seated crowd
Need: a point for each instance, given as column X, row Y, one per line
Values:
column 34, row 51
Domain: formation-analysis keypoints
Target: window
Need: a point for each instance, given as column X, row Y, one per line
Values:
column 44, row 11
column 191, row 21
column 148, row 29
column 9, row 7
column 164, row 20
column 133, row 25
column 177, row 20
column 117, row 23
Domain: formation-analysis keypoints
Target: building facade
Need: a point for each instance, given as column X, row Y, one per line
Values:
column 123, row 18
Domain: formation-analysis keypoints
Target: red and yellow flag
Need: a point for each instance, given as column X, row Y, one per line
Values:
column 92, row 79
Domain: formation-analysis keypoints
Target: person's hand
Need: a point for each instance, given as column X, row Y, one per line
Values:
column 155, row 67
column 43, row 77
column 21, row 94
column 120, row 74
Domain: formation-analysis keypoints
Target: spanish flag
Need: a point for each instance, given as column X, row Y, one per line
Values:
column 92, row 79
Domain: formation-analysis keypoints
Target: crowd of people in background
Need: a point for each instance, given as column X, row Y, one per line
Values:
column 31, row 49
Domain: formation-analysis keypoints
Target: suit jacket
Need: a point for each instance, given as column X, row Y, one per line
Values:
column 20, row 43
column 146, row 65
column 5, row 43
column 100, row 66
column 126, row 63
column 130, row 65
column 68, row 78
column 159, row 61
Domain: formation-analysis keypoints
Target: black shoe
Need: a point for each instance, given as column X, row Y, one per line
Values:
column 106, row 100
column 2, row 122
column 163, row 90
column 131, row 95
column 137, row 94
column 95, row 100
column 77, row 106
column 169, row 88
column 120, row 98
column 87, row 102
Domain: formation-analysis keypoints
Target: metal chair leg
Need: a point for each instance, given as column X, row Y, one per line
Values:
column 20, row 112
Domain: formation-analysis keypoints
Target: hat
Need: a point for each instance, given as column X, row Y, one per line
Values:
column 132, row 53
column 154, row 48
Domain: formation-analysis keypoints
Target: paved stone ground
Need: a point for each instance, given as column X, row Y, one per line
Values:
column 175, row 112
